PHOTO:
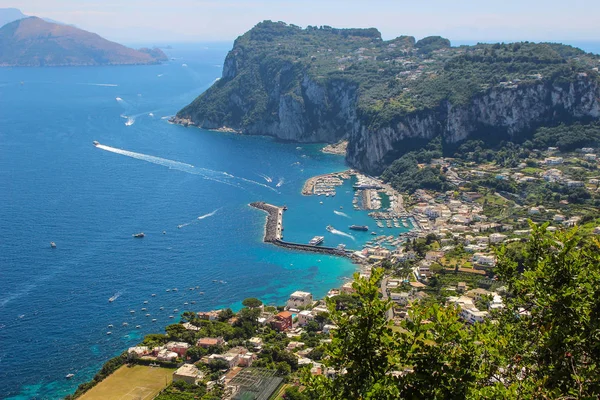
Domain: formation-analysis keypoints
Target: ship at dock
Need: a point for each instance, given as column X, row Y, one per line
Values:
column 317, row 240
column 359, row 227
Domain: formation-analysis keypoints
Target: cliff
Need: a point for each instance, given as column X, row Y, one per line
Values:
column 33, row 42
column 385, row 97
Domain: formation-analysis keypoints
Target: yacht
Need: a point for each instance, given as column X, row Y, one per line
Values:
column 96, row 143
column 330, row 228
column 317, row 240
column 53, row 245
column 138, row 235
column 69, row 376
column 138, row 326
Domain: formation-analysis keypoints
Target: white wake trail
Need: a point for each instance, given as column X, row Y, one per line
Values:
column 340, row 233
column 341, row 214
column 281, row 181
column 100, row 84
column 210, row 214
column 208, row 174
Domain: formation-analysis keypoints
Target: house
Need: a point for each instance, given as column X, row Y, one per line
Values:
column 552, row 175
column 208, row 342
column 471, row 196
column 590, row 157
column 483, row 259
column 400, row 298
column 347, row 288
column 188, row 373
column 230, row 359
column 299, row 299
column 255, row 342
column 534, row 210
column 597, row 230
column 304, row 317
column 461, row 287
column 473, row 316
column 209, row 315
column 190, row 327
column 497, row 238
column 178, row 347
column 282, row 321
column 478, row 293
column 246, row 360
column 558, row 218
column 434, row 255
column 138, row 351
column 328, row 328
column 571, row 183
column 166, row 355
column 553, row 160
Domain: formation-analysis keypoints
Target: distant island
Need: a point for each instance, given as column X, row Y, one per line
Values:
column 34, row 42
column 386, row 98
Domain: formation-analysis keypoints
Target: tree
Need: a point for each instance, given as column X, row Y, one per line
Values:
column 252, row 302
column 225, row 314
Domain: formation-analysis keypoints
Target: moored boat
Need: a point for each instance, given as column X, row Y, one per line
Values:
column 359, row 227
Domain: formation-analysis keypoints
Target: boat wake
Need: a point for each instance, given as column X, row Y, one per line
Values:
column 341, row 214
column 281, row 181
column 266, row 178
column 208, row 174
column 210, row 214
column 120, row 100
column 340, row 233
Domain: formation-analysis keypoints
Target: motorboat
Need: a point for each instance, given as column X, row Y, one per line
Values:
column 53, row 245
column 138, row 235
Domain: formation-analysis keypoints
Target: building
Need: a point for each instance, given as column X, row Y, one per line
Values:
column 328, row 328
column 553, row 160
column 461, row 287
column 209, row 315
column 255, row 342
column 138, row 351
column 178, row 347
column 473, row 316
column 208, row 342
column 282, row 321
column 590, row 157
column 478, row 294
column 484, row 259
column 166, row 355
column 304, row 317
column 299, row 299
column 188, row 373
column 400, row 298
column 497, row 238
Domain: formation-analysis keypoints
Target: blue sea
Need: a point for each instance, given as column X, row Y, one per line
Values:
column 147, row 176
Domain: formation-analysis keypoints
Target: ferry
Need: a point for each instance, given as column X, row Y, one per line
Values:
column 53, row 245
column 359, row 227
column 317, row 240
column 96, row 143
column 138, row 235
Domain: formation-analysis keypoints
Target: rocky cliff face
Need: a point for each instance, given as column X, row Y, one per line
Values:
column 327, row 113
column 512, row 112
column 323, row 85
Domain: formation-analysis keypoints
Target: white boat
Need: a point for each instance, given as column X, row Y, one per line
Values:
column 125, row 324
column 96, row 143
column 138, row 326
column 53, row 245
column 144, row 309
column 146, row 302
column 154, row 320
column 110, row 325
column 170, row 316
column 147, row 315
column 69, row 376
column 109, row 333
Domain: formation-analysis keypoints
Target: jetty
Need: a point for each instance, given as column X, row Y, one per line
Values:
column 274, row 227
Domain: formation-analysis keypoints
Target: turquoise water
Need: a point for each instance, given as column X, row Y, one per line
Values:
column 56, row 186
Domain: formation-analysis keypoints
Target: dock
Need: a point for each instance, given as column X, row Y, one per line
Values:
column 273, row 233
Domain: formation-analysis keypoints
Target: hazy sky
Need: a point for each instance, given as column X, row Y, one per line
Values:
column 198, row 20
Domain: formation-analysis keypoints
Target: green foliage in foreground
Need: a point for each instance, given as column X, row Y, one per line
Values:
column 544, row 344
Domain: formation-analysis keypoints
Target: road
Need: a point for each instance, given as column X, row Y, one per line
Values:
column 390, row 312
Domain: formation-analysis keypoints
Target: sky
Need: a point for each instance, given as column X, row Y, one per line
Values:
column 162, row 21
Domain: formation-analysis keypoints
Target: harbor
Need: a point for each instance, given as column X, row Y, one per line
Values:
column 273, row 233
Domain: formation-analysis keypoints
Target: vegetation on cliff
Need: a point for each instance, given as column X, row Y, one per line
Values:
column 394, row 78
column 543, row 344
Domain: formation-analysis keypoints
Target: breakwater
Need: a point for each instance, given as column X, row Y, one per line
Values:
column 274, row 226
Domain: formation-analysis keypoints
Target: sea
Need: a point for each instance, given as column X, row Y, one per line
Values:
column 186, row 189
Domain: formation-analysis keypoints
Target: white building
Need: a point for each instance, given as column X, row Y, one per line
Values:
column 304, row 317
column 299, row 299
column 473, row 316
column 553, row 160
column 400, row 298
column 497, row 238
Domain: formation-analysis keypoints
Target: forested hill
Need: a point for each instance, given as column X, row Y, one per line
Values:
column 323, row 84
column 34, row 42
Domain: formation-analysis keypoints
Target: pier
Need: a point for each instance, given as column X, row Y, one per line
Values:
column 274, row 227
